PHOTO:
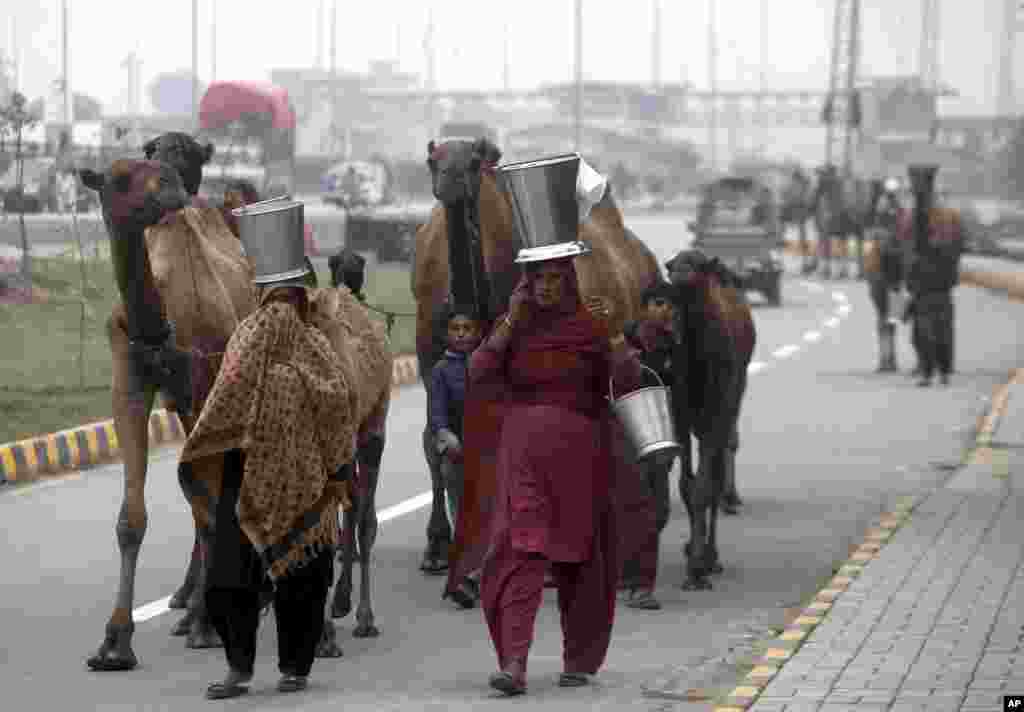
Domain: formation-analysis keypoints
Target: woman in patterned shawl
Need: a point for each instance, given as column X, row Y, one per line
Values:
column 552, row 358
column 266, row 468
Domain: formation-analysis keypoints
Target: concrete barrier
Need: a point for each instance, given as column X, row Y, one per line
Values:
column 96, row 443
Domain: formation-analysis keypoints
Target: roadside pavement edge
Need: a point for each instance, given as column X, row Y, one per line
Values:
column 781, row 648
column 96, row 443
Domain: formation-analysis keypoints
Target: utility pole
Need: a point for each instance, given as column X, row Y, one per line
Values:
column 195, row 65
column 213, row 40
column 928, row 54
column 579, row 76
column 713, row 86
column 66, row 119
column 319, row 24
column 1006, row 101
column 505, row 68
column 333, row 79
column 656, row 47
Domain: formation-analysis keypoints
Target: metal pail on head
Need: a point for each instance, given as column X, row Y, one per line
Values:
column 646, row 416
column 545, row 206
column 272, row 232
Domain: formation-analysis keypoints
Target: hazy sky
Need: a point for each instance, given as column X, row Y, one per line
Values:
column 469, row 38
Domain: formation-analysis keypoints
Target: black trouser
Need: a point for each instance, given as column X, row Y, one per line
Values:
column 933, row 333
column 654, row 472
column 299, row 604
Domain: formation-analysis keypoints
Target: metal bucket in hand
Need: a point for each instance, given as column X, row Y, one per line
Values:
column 646, row 416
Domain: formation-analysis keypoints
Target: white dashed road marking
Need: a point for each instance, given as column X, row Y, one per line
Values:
column 755, row 366
column 785, row 351
column 812, row 336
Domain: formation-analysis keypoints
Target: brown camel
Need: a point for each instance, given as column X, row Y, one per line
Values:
column 453, row 264
column 185, row 284
column 183, row 266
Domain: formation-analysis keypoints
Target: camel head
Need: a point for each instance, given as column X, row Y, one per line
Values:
column 691, row 267
column 136, row 194
column 183, row 153
column 456, row 166
column 348, row 268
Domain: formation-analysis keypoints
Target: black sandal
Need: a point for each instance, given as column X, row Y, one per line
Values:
column 222, row 691
column 292, row 683
column 573, row 679
column 506, row 684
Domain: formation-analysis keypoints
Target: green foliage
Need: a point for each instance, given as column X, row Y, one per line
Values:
column 40, row 387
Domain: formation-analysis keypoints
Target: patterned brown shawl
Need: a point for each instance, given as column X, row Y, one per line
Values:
column 283, row 396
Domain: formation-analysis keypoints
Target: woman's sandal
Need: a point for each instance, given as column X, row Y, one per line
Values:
column 292, row 683
column 573, row 679
column 506, row 684
column 465, row 595
column 224, row 691
column 643, row 600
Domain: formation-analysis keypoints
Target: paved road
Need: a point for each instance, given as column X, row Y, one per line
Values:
column 826, row 445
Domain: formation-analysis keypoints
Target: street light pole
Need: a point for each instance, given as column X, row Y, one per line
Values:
column 333, row 78
column 195, row 65
column 579, row 75
column 64, row 69
column 713, row 86
column 213, row 40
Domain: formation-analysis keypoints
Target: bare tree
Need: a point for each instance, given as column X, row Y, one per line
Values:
column 14, row 119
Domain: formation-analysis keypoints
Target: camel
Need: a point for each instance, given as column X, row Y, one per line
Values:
column 719, row 336
column 184, row 279
column 840, row 210
column 465, row 254
column 185, row 284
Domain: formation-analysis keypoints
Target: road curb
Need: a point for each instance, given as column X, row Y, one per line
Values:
column 781, row 648
column 96, row 443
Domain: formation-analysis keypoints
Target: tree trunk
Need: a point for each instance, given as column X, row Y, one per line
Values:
column 26, row 260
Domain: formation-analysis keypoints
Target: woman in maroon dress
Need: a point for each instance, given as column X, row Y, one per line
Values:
column 552, row 358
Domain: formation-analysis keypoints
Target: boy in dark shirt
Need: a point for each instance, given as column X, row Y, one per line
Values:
column 447, row 398
column 653, row 336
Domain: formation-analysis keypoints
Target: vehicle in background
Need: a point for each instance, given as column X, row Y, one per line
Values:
column 252, row 127
column 358, row 184
column 738, row 222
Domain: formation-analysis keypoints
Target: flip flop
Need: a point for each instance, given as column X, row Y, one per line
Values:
column 506, row 684
column 292, row 683
column 573, row 679
column 644, row 601
column 220, row 691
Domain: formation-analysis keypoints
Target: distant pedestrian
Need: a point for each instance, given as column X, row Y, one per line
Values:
column 934, row 240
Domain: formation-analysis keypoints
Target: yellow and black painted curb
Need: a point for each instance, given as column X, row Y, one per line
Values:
column 784, row 646
column 96, row 443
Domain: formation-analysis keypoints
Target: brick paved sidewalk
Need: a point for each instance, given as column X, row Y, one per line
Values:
column 936, row 621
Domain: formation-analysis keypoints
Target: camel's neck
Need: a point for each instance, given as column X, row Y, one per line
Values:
column 500, row 243
column 143, row 304
column 469, row 284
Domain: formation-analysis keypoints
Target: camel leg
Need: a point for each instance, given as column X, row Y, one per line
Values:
column 132, row 403
column 717, row 481
column 699, row 496
column 181, row 597
column 369, row 461
column 328, row 646
column 439, row 533
column 730, row 500
column 342, row 603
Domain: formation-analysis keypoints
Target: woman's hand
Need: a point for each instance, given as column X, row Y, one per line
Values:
column 519, row 303
column 602, row 310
